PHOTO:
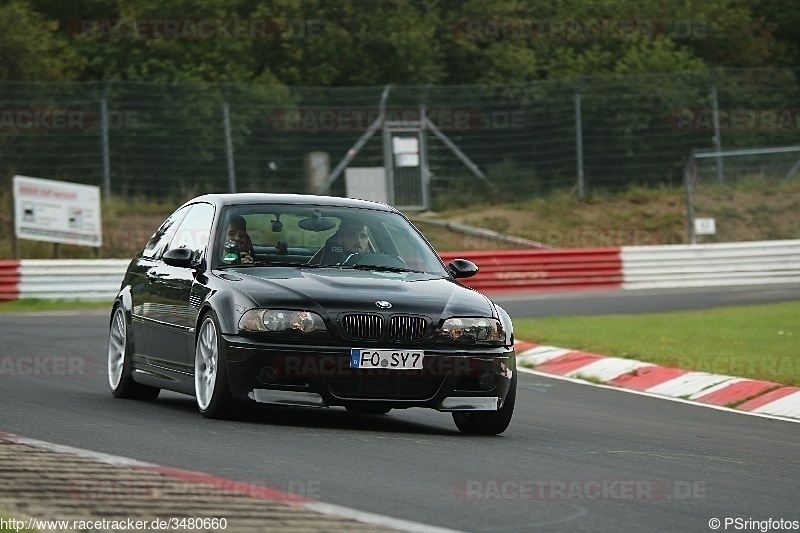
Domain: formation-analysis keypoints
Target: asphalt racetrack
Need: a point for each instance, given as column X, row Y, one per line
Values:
column 575, row 458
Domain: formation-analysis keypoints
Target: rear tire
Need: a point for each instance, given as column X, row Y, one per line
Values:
column 211, row 388
column 120, row 361
column 488, row 422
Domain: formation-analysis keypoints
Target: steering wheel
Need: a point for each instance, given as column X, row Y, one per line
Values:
column 375, row 259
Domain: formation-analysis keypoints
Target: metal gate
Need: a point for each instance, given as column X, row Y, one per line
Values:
column 405, row 164
column 405, row 158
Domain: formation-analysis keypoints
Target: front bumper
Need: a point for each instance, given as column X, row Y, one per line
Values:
column 452, row 379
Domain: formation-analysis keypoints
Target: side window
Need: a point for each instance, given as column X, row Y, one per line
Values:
column 193, row 232
column 158, row 242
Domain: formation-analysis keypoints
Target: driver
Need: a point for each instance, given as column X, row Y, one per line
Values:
column 351, row 238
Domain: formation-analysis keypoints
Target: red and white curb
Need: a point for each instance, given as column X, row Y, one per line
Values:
column 237, row 487
column 718, row 390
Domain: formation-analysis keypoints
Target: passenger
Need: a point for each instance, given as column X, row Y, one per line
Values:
column 237, row 232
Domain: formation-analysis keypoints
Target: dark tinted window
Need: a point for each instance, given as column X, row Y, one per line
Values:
column 158, row 242
column 194, row 229
column 326, row 235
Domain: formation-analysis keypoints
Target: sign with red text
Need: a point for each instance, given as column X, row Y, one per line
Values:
column 57, row 211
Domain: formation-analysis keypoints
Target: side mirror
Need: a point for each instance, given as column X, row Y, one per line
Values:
column 461, row 268
column 179, row 257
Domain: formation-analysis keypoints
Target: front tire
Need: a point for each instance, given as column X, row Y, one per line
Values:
column 488, row 422
column 120, row 362
column 211, row 387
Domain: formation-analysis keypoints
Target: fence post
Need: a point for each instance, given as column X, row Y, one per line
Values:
column 579, row 139
column 226, row 119
column 717, row 135
column 104, row 140
column 689, row 174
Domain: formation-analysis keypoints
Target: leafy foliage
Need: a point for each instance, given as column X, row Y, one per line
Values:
column 362, row 42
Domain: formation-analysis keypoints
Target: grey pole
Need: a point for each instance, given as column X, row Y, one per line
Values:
column 226, row 118
column 579, row 141
column 104, row 141
column 688, row 172
column 352, row 152
column 717, row 135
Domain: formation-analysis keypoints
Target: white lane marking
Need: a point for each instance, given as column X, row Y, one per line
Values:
column 607, row 368
column 541, row 354
column 689, row 384
column 786, row 406
column 651, row 395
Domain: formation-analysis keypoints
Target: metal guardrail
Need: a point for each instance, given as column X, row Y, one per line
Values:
column 526, row 270
column 628, row 267
column 708, row 265
column 9, row 280
column 89, row 279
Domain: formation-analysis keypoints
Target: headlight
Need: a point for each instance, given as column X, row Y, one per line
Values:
column 281, row 321
column 472, row 330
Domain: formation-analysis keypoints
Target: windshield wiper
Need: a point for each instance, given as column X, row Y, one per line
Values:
column 280, row 263
column 377, row 267
column 260, row 264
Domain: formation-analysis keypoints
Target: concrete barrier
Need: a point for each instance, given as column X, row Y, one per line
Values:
column 501, row 271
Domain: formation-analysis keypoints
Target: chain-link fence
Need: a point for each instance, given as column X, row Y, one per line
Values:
column 744, row 194
column 520, row 140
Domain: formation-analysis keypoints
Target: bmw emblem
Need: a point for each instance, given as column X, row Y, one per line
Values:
column 383, row 304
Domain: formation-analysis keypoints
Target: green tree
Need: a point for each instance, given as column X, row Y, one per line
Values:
column 355, row 42
column 32, row 49
column 363, row 42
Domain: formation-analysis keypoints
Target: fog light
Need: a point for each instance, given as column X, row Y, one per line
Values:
column 486, row 381
column 267, row 375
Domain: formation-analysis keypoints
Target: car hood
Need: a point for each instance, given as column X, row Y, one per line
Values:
column 341, row 290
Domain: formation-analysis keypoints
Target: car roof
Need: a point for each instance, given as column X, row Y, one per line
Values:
column 295, row 199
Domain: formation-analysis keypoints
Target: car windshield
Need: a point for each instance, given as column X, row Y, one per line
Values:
column 322, row 236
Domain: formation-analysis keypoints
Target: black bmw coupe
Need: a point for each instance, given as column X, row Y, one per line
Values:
column 308, row 301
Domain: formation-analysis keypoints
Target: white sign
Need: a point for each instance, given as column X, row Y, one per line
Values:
column 406, row 151
column 407, row 160
column 57, row 211
column 405, row 145
column 366, row 183
column 705, row 226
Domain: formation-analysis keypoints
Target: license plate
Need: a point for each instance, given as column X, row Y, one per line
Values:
column 390, row 359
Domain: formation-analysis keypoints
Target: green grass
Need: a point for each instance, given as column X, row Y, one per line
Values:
column 753, row 341
column 34, row 305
